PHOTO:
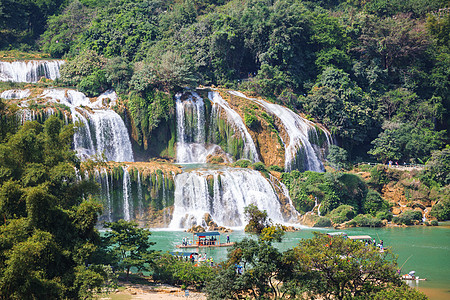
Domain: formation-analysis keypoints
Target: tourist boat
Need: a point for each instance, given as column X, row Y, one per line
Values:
column 412, row 276
column 205, row 239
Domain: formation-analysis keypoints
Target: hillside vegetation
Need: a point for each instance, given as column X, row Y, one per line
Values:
column 376, row 73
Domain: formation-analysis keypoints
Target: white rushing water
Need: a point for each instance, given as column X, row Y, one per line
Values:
column 15, row 94
column 191, row 140
column 29, row 71
column 127, row 199
column 102, row 131
column 225, row 200
column 235, row 120
column 297, row 129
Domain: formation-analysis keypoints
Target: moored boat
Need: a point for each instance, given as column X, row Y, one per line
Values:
column 205, row 239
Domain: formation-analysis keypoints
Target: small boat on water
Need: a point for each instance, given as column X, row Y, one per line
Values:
column 412, row 276
column 205, row 239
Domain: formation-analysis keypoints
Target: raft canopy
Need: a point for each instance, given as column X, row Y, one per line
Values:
column 205, row 234
column 360, row 237
column 339, row 233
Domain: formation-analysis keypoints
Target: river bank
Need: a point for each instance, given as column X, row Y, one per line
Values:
column 428, row 248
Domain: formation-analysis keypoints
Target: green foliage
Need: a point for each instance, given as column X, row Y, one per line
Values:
column 409, row 217
column 173, row 270
column 257, row 220
column 47, row 230
column 374, row 203
column 366, row 221
column 441, row 210
column 438, row 167
column 342, row 214
column 129, row 245
column 337, row 157
column 243, row 163
column 338, row 267
column 323, row 222
column 251, row 121
column 275, row 168
column 398, row 293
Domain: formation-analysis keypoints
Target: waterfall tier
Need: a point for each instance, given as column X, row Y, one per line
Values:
column 223, row 194
column 29, row 71
column 299, row 131
column 249, row 148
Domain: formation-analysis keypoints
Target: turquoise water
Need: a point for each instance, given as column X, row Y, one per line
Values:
column 427, row 247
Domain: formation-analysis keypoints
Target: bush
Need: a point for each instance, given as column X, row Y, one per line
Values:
column 408, row 217
column 251, row 121
column 259, row 166
column 441, row 210
column 342, row 214
column 243, row 163
column 384, row 215
column 337, row 157
column 434, row 223
column 374, row 203
column 276, row 168
column 323, row 222
column 366, row 221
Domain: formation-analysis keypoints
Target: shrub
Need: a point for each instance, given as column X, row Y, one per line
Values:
column 342, row 214
column 259, row 166
column 243, row 163
column 323, row 222
column 408, row 217
column 374, row 203
column 434, row 223
column 384, row 215
column 366, row 221
column 441, row 210
column 276, row 168
column 251, row 121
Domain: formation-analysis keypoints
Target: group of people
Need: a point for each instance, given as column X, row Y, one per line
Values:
column 186, row 242
column 207, row 242
column 374, row 243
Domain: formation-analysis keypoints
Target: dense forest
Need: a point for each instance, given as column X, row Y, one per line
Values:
column 376, row 73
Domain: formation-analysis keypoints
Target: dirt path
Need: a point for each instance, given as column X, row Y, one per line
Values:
column 157, row 291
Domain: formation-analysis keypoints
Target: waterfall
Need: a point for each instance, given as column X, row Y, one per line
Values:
column 297, row 129
column 108, row 195
column 139, row 190
column 235, row 119
column 164, row 200
column 127, row 200
column 15, row 94
column 103, row 130
column 29, row 71
column 233, row 189
column 191, row 144
column 111, row 135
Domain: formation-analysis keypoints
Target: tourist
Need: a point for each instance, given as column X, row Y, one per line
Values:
column 228, row 238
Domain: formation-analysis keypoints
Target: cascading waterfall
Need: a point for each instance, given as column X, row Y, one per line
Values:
column 104, row 174
column 164, row 200
column 235, row 119
column 103, row 130
column 140, row 196
column 127, row 203
column 29, row 71
column 224, row 198
column 297, row 129
column 191, row 144
column 15, row 94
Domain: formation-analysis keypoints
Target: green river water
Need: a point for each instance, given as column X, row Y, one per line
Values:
column 427, row 247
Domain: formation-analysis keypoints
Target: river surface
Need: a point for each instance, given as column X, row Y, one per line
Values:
column 425, row 250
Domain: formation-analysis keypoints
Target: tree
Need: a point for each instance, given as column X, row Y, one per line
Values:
column 343, row 268
column 47, row 224
column 337, row 157
column 257, row 220
column 438, row 167
column 130, row 245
